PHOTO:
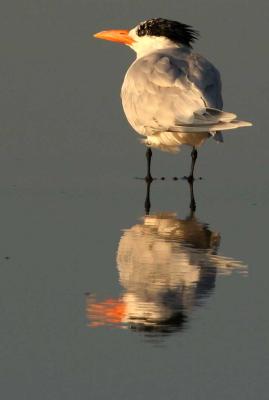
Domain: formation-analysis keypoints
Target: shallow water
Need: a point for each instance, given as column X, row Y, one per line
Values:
column 99, row 300
column 167, row 267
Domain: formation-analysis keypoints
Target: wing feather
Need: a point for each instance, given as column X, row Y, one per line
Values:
column 162, row 90
column 176, row 91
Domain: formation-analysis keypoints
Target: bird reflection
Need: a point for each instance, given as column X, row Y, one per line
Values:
column 167, row 266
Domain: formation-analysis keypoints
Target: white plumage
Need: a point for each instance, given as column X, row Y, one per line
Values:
column 173, row 97
column 167, row 264
column 166, row 267
column 170, row 94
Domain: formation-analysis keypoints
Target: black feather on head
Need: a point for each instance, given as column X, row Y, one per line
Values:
column 173, row 30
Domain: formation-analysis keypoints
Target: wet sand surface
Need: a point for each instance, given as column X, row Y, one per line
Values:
column 99, row 300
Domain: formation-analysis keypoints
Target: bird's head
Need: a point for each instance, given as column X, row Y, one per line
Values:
column 151, row 35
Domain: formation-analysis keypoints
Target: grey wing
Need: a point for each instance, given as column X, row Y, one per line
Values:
column 207, row 79
column 162, row 91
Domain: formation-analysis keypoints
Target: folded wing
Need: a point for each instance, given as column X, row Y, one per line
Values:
column 178, row 91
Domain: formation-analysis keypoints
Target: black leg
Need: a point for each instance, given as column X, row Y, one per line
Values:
column 148, row 177
column 193, row 160
column 147, row 200
column 192, row 203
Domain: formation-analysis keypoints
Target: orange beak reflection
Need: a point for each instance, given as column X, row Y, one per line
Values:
column 108, row 312
column 118, row 35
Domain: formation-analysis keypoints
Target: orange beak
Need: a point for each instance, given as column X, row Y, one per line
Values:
column 117, row 35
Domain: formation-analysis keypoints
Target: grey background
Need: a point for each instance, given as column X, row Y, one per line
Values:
column 67, row 162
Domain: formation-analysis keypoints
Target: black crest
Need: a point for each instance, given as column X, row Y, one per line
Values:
column 173, row 30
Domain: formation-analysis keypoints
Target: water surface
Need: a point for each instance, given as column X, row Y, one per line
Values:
column 191, row 290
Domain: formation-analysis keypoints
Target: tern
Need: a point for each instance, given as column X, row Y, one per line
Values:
column 170, row 94
column 167, row 266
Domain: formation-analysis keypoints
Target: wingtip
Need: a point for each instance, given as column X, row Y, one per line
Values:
column 247, row 123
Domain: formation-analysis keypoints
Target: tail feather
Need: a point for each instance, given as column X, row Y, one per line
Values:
column 219, row 126
column 213, row 115
column 210, row 120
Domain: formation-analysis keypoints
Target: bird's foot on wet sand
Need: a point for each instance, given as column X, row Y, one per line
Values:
column 191, row 178
column 148, row 178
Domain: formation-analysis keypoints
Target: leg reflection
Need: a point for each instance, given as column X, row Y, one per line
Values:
column 147, row 200
column 192, row 203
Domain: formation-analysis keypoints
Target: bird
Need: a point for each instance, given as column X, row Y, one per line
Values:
column 167, row 266
column 171, row 95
